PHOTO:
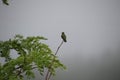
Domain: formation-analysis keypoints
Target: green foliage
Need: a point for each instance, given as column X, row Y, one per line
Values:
column 31, row 54
column 5, row 2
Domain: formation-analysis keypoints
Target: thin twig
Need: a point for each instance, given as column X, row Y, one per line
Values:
column 48, row 75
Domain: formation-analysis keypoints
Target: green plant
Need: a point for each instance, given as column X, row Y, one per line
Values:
column 48, row 75
column 32, row 54
column 5, row 2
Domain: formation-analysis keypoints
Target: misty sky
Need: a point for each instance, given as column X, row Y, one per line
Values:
column 92, row 28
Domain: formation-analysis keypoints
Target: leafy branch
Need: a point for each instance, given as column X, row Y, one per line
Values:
column 31, row 54
column 5, row 2
column 48, row 75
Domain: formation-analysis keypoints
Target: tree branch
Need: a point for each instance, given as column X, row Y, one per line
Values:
column 48, row 75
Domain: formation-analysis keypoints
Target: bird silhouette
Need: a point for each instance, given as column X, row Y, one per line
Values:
column 63, row 36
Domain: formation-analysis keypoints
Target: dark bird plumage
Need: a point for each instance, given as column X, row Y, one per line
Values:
column 63, row 36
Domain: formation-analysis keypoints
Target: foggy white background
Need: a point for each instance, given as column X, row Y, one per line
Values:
column 92, row 28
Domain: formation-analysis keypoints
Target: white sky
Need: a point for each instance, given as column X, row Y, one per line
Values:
column 92, row 28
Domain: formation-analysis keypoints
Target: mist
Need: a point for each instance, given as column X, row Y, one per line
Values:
column 92, row 51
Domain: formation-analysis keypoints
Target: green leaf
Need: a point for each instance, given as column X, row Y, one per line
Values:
column 5, row 2
column 31, row 52
column 30, row 74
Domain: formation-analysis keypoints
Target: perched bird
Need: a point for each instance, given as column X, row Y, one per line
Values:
column 63, row 36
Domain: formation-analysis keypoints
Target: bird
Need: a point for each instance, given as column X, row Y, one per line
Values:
column 63, row 36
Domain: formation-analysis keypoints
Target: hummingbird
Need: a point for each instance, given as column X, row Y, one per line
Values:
column 63, row 36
